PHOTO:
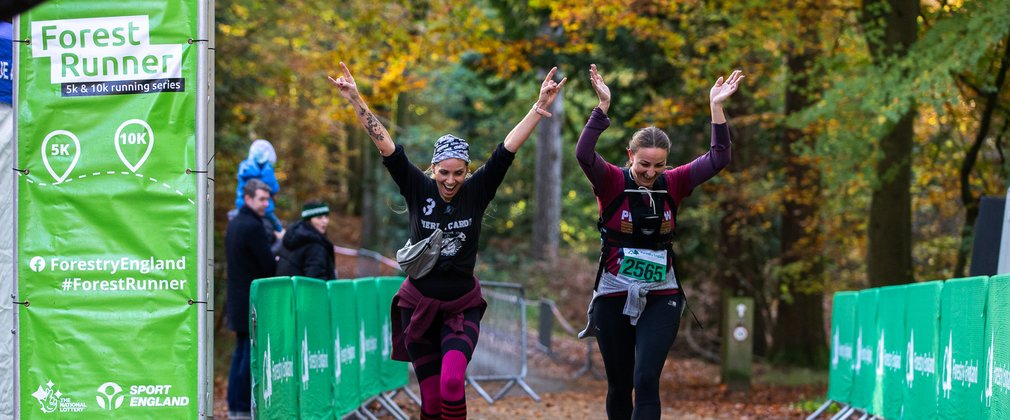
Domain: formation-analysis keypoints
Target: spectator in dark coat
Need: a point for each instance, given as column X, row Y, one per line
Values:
column 306, row 251
column 249, row 258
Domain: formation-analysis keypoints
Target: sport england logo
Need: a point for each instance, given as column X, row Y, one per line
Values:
column 110, row 391
column 37, row 264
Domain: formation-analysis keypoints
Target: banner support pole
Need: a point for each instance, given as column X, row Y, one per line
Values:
column 201, row 212
column 15, row 50
column 210, row 147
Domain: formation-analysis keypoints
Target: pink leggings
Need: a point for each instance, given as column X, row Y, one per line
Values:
column 440, row 360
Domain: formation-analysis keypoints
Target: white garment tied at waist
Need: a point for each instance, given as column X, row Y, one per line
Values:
column 634, row 304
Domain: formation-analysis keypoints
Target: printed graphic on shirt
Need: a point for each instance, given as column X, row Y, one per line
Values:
column 427, row 209
column 625, row 220
column 667, row 224
column 452, row 242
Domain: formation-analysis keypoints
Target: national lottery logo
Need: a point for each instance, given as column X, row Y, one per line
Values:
column 51, row 400
column 48, row 397
column 109, row 397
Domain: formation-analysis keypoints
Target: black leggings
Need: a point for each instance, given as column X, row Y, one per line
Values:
column 634, row 354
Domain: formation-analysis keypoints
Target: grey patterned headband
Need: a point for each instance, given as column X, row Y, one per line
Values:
column 450, row 147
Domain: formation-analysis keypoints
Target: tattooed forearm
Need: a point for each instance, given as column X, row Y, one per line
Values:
column 372, row 126
column 374, row 129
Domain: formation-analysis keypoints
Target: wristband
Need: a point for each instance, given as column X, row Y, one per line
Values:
column 541, row 111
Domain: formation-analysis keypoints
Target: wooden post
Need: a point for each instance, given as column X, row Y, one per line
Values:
column 738, row 343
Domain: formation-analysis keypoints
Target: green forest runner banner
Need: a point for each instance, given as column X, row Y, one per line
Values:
column 962, row 369
column 891, row 351
column 843, row 342
column 997, row 348
column 864, row 375
column 922, row 322
column 107, row 223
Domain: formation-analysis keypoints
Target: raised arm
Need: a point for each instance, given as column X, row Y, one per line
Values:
column 592, row 164
column 549, row 90
column 374, row 128
column 719, row 154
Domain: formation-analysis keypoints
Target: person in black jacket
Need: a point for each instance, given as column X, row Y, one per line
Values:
column 306, row 251
column 249, row 258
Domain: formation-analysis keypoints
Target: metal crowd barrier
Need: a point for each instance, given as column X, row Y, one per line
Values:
column 501, row 350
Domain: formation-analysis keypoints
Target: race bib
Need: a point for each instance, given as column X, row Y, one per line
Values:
column 643, row 265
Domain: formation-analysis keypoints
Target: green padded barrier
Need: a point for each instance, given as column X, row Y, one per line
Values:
column 394, row 373
column 997, row 348
column 922, row 326
column 312, row 331
column 891, row 346
column 864, row 375
column 273, row 353
column 369, row 353
column 843, row 341
column 345, row 333
column 962, row 364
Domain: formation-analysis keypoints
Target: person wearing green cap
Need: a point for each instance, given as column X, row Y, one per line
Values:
column 305, row 250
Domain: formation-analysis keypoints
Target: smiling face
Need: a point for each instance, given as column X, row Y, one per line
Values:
column 320, row 223
column 647, row 153
column 449, row 175
column 647, row 164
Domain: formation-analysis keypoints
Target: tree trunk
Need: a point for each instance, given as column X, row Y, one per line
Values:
column 547, row 216
column 969, row 200
column 799, row 336
column 889, row 257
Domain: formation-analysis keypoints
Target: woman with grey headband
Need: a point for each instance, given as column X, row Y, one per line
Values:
column 436, row 317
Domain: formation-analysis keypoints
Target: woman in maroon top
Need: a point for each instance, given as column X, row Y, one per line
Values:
column 637, row 304
column 436, row 318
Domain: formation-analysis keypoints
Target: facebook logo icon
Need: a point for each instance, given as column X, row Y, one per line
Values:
column 37, row 264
